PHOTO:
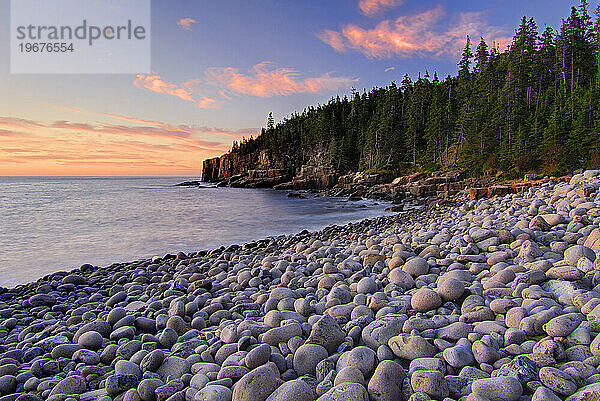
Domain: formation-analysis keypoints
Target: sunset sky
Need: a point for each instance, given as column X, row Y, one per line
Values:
column 220, row 66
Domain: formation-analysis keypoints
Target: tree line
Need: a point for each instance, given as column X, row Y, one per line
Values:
column 534, row 107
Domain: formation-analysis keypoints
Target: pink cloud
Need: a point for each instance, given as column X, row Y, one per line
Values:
column 186, row 23
column 186, row 91
column 373, row 7
column 333, row 39
column 156, row 127
column 264, row 80
column 156, row 84
column 429, row 33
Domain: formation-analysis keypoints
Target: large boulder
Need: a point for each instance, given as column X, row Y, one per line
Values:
column 327, row 333
column 380, row 331
column 386, row 382
column 258, row 384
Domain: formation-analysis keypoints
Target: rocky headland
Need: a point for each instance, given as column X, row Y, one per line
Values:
column 284, row 172
column 487, row 299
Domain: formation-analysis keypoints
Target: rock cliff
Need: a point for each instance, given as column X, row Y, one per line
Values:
column 312, row 170
column 266, row 169
column 230, row 166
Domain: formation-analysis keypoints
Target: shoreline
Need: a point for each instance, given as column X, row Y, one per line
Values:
column 204, row 252
column 118, row 231
column 483, row 298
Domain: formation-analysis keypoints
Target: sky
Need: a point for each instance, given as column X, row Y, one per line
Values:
column 220, row 66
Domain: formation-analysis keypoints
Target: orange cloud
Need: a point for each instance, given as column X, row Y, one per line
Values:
column 139, row 147
column 17, row 123
column 264, row 80
column 186, row 23
column 186, row 91
column 430, row 33
column 373, row 7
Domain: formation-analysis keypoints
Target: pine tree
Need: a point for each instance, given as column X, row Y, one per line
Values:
column 532, row 107
column 596, row 45
column 481, row 56
column 270, row 121
column 465, row 62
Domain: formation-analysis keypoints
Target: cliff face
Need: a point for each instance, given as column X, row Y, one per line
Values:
column 297, row 169
column 211, row 169
column 258, row 165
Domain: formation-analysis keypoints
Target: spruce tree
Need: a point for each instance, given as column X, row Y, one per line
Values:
column 465, row 62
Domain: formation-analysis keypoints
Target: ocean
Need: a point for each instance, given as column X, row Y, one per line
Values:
column 50, row 224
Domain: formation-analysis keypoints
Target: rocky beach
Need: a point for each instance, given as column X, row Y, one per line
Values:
column 487, row 299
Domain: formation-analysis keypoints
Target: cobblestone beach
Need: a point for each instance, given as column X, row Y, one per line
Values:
column 496, row 299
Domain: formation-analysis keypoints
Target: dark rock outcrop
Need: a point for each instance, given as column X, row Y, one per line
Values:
column 255, row 170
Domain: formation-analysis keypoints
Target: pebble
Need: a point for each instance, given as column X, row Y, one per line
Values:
column 459, row 355
column 307, row 357
column 416, row 267
column 69, row 386
column 451, row 289
column 296, row 390
column 258, row 356
column 544, row 394
column 327, row 333
column 258, row 384
column 363, row 358
column 386, row 382
column 213, row 392
column 147, row 387
column 557, row 381
column 425, row 300
column 411, row 347
column 116, row 384
column 91, row 340
column 430, row 382
column 506, row 388
column 346, row 392
column 562, row 326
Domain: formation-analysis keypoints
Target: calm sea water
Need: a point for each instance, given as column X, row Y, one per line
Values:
column 49, row 224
